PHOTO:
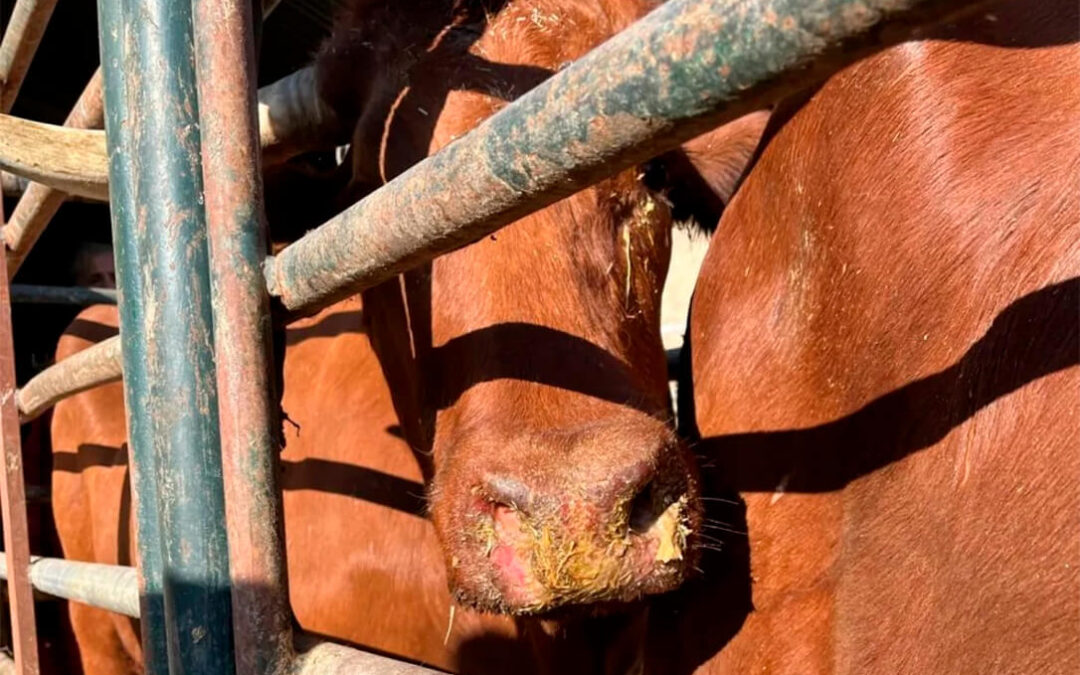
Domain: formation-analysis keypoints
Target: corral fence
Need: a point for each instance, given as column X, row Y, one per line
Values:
column 179, row 163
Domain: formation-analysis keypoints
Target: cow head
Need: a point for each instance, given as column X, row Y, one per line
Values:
column 527, row 369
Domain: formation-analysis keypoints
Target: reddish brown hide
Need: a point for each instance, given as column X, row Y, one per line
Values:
column 535, row 392
column 528, row 365
column 363, row 562
column 885, row 346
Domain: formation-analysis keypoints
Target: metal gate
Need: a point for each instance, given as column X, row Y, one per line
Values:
column 180, row 165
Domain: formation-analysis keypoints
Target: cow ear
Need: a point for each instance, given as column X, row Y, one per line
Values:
column 701, row 176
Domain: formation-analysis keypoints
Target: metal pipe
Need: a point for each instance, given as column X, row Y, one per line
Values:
column 683, row 69
column 119, row 62
column 13, row 498
column 294, row 119
column 327, row 658
column 177, row 390
column 67, row 159
column 115, row 588
column 248, row 401
column 39, row 203
column 21, row 39
column 111, row 587
column 96, row 365
column 29, row 294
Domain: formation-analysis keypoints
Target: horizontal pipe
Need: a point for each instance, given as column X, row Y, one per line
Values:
column 327, row 658
column 71, row 160
column 687, row 67
column 294, row 119
column 115, row 588
column 39, row 203
column 93, row 366
column 62, row 295
column 110, row 587
column 25, row 28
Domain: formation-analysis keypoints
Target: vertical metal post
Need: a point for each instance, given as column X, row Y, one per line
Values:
column 13, row 497
column 166, row 326
column 225, row 60
column 115, row 59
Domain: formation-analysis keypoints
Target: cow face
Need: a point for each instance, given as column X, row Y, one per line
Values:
column 527, row 369
column 557, row 478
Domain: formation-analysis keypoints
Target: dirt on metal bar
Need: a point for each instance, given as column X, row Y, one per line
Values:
column 687, row 67
column 94, row 366
column 21, row 39
column 247, row 396
column 327, row 658
column 70, row 160
column 39, row 203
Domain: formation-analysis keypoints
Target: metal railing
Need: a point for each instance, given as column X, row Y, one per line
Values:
column 203, row 460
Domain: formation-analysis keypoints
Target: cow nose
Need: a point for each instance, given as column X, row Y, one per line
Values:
column 625, row 500
column 604, row 517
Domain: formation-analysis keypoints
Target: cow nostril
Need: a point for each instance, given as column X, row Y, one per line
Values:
column 506, row 493
column 642, row 512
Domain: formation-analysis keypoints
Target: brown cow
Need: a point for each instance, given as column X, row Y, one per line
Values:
column 527, row 366
column 885, row 346
column 527, row 371
column 363, row 561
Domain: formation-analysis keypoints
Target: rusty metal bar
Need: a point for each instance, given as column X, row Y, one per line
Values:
column 111, row 587
column 247, row 401
column 21, row 39
column 29, row 294
column 71, row 158
column 683, row 69
column 93, row 366
column 39, row 203
column 13, row 499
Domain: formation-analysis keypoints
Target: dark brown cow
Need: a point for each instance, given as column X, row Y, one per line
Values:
column 885, row 347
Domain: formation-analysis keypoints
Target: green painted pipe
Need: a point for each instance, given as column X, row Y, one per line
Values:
column 116, row 60
column 166, row 326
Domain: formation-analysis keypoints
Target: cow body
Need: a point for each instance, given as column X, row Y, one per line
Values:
column 363, row 561
column 885, row 345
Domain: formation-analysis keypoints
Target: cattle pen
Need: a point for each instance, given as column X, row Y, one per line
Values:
column 180, row 165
